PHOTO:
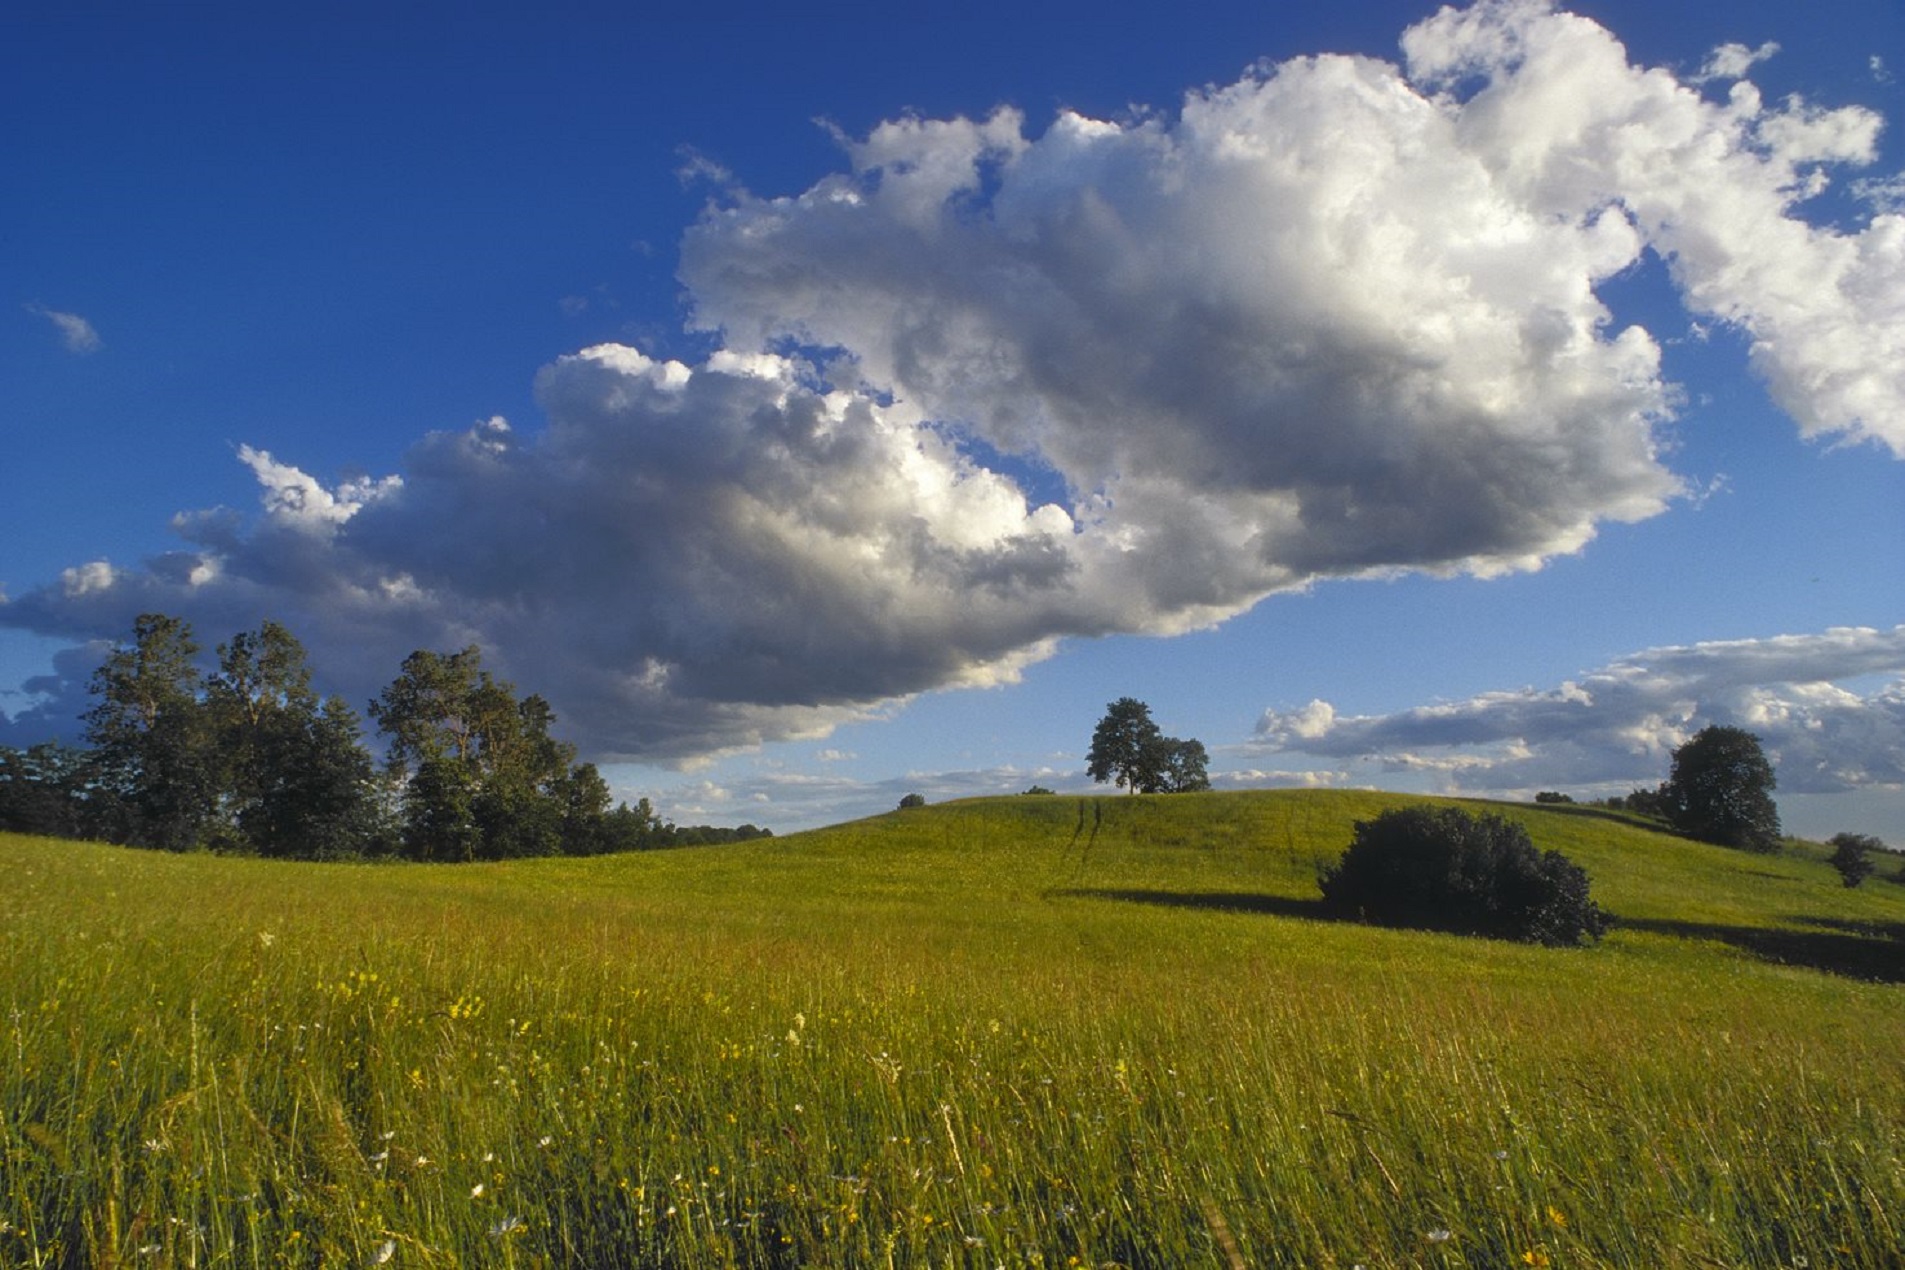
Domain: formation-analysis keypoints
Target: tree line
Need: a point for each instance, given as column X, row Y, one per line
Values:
column 248, row 758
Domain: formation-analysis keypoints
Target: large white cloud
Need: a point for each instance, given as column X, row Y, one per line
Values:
column 1810, row 698
column 1339, row 317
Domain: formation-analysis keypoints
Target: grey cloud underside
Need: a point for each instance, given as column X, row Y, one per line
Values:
column 1621, row 723
column 1329, row 320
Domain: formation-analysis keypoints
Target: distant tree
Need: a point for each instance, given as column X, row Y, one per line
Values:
column 1178, row 767
column 1036, row 790
column 1129, row 749
column 1550, row 796
column 1852, row 856
column 1644, row 802
column 1721, row 790
column 912, row 800
column 153, row 752
column 294, row 776
column 482, row 776
column 321, row 797
column 44, row 790
column 1439, row 868
column 1124, row 746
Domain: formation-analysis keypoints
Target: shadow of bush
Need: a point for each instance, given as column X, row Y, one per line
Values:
column 1873, row 951
column 1223, row 901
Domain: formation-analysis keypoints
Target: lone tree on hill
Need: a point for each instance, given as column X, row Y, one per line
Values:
column 1721, row 790
column 1130, row 750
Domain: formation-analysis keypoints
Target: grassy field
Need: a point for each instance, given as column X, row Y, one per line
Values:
column 1014, row 1032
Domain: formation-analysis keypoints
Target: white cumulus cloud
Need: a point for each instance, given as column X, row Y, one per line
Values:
column 991, row 387
column 1811, row 699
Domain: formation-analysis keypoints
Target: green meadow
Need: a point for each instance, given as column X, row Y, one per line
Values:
column 1031, row 1031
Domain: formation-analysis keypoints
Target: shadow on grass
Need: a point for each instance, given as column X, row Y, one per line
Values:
column 1857, row 950
column 1220, row 901
column 1629, row 819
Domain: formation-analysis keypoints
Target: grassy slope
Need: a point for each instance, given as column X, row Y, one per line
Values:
column 1015, row 1031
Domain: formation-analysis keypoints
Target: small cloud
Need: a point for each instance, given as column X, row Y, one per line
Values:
column 835, row 756
column 1731, row 61
column 1880, row 71
column 573, row 305
column 75, row 331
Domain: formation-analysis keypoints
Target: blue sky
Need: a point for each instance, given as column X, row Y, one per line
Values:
column 822, row 407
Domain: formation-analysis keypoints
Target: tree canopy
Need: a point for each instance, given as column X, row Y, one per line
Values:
column 1720, row 790
column 248, row 758
column 1129, row 749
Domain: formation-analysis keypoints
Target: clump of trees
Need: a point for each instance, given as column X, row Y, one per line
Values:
column 1129, row 749
column 1439, row 868
column 249, row 758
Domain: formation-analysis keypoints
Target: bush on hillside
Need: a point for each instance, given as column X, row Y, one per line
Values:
column 911, row 801
column 1439, row 868
column 1852, row 856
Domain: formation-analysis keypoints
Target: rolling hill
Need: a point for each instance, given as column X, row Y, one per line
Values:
column 1029, row 1031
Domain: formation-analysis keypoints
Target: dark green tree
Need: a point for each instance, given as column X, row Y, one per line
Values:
column 586, row 804
column 1177, row 767
column 1852, row 856
column 1721, row 790
column 154, row 753
column 320, row 797
column 45, row 790
column 1439, row 868
column 483, row 777
column 288, row 777
column 1125, row 746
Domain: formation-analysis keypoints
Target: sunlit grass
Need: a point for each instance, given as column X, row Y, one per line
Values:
column 1024, row 1032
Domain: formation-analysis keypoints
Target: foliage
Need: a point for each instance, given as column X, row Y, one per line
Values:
column 156, row 760
column 1721, row 790
column 248, row 759
column 1122, row 743
column 1035, row 791
column 951, row 1038
column 1179, row 767
column 1129, row 749
column 1439, row 868
column 44, row 790
column 1552, row 796
column 297, row 781
column 1642, row 802
column 911, row 801
column 1852, row 856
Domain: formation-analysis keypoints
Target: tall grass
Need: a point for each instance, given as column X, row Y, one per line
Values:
column 1027, row 1032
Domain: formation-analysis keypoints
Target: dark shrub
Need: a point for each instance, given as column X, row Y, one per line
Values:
column 1439, row 868
column 1852, row 856
column 911, row 801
